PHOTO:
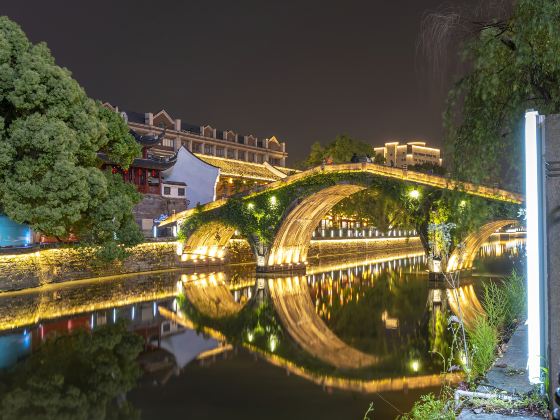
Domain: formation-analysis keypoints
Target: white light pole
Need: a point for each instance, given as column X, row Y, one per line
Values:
column 535, row 242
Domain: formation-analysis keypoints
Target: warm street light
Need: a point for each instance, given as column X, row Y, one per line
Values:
column 414, row 194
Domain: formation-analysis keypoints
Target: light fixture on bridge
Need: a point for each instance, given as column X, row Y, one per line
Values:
column 535, row 241
column 251, row 206
column 273, row 200
column 414, row 194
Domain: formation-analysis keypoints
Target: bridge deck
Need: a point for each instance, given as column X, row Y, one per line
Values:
column 419, row 178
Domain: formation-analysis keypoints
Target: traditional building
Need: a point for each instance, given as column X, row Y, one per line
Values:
column 204, row 139
column 411, row 153
column 209, row 178
column 183, row 165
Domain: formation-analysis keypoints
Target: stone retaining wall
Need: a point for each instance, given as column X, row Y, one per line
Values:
column 23, row 271
column 28, row 270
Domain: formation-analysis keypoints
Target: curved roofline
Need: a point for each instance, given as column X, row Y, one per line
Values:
column 196, row 157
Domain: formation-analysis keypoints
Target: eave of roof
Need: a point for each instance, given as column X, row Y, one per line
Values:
column 237, row 168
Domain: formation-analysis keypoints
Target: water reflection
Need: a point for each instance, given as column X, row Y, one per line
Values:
column 367, row 326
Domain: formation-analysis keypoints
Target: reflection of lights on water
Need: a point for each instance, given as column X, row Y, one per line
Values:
column 250, row 336
column 415, row 365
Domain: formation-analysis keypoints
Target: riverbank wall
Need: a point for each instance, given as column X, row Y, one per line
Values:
column 28, row 270
column 58, row 265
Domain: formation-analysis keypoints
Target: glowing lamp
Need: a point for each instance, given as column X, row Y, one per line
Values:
column 414, row 194
column 535, row 243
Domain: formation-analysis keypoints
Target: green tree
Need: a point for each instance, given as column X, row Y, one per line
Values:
column 340, row 150
column 512, row 65
column 50, row 136
column 75, row 376
column 379, row 159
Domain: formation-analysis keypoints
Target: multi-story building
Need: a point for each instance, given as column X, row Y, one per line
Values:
column 411, row 153
column 183, row 165
column 204, row 139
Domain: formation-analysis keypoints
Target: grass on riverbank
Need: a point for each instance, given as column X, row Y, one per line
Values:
column 504, row 304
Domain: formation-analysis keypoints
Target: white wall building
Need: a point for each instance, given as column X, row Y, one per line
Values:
column 200, row 178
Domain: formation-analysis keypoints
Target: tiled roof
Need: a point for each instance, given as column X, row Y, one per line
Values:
column 238, row 168
column 287, row 171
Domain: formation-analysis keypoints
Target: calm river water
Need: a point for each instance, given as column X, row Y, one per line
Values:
column 225, row 344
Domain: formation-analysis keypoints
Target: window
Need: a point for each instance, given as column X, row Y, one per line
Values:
column 251, row 157
column 220, row 151
column 167, row 190
column 260, row 158
column 207, row 149
column 196, row 147
column 168, row 143
column 240, row 155
column 231, row 153
column 181, row 192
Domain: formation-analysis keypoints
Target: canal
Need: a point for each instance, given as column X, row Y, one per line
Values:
column 223, row 343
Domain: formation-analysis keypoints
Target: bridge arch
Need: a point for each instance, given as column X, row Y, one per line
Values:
column 463, row 256
column 292, row 240
column 208, row 241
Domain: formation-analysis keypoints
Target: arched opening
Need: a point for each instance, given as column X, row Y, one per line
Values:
column 209, row 241
column 464, row 255
column 292, row 240
column 293, row 305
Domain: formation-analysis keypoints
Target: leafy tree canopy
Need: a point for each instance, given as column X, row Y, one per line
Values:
column 514, row 65
column 340, row 150
column 50, row 136
column 76, row 376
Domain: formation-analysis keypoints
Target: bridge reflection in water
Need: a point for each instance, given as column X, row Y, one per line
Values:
column 297, row 302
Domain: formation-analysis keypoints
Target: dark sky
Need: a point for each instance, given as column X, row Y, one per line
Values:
column 301, row 70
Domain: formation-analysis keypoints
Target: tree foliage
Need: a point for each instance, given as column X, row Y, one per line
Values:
column 513, row 65
column 340, row 150
column 386, row 202
column 50, row 137
column 75, row 376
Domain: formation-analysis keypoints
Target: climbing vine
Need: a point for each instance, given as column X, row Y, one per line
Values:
column 386, row 202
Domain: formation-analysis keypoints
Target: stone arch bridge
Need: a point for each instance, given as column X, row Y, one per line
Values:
column 279, row 218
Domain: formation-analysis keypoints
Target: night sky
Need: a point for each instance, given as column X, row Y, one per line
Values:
column 301, row 70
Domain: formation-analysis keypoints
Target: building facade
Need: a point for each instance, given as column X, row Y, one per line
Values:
column 183, row 165
column 411, row 153
column 204, row 139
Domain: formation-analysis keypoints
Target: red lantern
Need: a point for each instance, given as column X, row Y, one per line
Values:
column 114, row 170
column 153, row 173
column 126, row 171
column 139, row 171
